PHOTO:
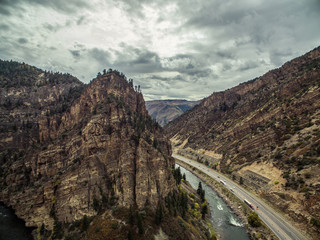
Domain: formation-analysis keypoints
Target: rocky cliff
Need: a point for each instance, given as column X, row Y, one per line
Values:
column 28, row 94
column 164, row 111
column 67, row 150
column 266, row 132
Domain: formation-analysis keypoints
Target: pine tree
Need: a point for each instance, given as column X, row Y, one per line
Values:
column 159, row 214
column 204, row 209
column 241, row 180
column 130, row 237
column 201, row 192
column 177, row 175
column 131, row 217
column 140, row 224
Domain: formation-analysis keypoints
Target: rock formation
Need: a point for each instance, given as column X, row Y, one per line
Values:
column 67, row 149
column 266, row 131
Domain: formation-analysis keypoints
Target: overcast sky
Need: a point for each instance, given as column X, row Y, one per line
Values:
column 173, row 49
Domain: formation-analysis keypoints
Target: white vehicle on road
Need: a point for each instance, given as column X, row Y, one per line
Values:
column 280, row 226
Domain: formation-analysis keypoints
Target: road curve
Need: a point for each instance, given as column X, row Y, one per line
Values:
column 277, row 224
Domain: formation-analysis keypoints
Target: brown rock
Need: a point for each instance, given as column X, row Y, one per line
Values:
column 104, row 146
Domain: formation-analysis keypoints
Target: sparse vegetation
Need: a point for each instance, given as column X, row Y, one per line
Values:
column 307, row 175
column 201, row 192
column 85, row 223
column 315, row 221
column 177, row 175
column 246, row 125
column 241, row 181
column 96, row 204
column 159, row 213
column 254, row 219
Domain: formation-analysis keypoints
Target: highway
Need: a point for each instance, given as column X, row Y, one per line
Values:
column 277, row 224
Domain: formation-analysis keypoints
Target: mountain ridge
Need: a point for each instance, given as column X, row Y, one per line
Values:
column 164, row 111
column 273, row 119
column 87, row 161
column 101, row 142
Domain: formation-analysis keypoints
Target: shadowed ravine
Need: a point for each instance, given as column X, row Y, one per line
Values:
column 11, row 227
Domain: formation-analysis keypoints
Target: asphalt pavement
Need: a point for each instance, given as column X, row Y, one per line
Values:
column 280, row 226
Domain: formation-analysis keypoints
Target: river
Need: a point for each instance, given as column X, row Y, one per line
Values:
column 11, row 227
column 224, row 221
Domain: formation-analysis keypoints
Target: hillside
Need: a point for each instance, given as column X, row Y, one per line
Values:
column 27, row 95
column 164, row 111
column 265, row 132
column 72, row 153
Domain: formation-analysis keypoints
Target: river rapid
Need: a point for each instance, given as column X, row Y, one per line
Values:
column 224, row 221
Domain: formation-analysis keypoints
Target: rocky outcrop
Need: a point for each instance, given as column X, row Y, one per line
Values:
column 266, row 111
column 164, row 111
column 102, row 149
column 273, row 119
column 28, row 94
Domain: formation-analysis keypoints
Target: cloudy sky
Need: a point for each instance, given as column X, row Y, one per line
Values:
column 173, row 49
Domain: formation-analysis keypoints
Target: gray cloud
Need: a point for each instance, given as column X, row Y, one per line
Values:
column 192, row 65
column 248, row 65
column 229, row 54
column 81, row 20
column 136, row 60
column 75, row 53
column 4, row 11
column 173, row 49
column 277, row 56
column 7, row 7
column 100, row 55
column 50, row 27
column 135, row 7
column 56, row 27
column 160, row 78
column 22, row 40
column 4, row 27
column 62, row 5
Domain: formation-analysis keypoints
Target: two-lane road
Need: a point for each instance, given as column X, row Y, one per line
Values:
column 270, row 217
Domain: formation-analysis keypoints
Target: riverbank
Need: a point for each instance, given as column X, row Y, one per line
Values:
column 226, row 224
column 11, row 227
column 236, row 205
column 206, row 221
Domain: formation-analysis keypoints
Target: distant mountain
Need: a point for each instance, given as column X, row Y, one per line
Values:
column 164, row 111
column 266, row 132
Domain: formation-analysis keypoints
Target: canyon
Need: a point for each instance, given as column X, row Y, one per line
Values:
column 71, row 151
column 266, row 134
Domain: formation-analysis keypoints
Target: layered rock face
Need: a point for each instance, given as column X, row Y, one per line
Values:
column 264, row 112
column 272, row 121
column 28, row 94
column 104, row 149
